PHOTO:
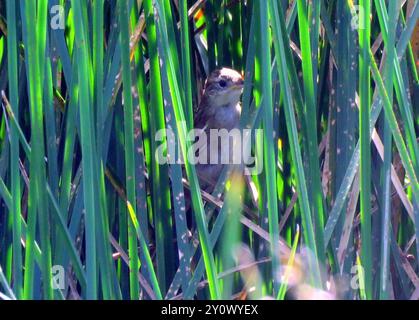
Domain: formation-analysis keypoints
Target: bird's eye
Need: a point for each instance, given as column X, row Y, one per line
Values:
column 222, row 83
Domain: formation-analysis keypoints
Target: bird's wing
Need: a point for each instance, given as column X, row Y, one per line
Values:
column 200, row 120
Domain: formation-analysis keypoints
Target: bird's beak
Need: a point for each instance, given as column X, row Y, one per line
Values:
column 239, row 85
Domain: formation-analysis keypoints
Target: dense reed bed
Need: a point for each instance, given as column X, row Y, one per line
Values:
column 88, row 212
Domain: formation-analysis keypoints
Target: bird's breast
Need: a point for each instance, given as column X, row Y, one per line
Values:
column 226, row 117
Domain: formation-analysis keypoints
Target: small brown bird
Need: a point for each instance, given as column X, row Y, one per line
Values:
column 220, row 108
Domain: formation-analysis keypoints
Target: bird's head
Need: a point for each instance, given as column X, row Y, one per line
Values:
column 224, row 87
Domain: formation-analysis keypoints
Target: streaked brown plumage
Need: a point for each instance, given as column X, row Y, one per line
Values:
column 220, row 108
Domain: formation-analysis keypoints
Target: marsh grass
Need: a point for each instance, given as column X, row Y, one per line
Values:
column 334, row 90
